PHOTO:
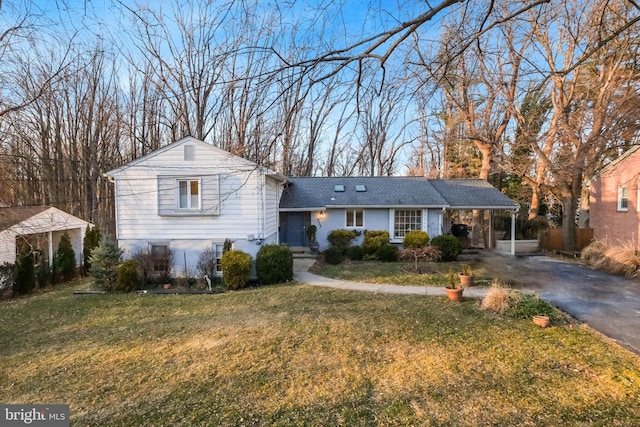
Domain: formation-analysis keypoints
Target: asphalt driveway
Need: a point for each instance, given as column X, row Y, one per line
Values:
column 607, row 303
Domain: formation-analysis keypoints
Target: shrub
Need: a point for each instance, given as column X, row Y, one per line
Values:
column 415, row 239
column 207, row 263
column 236, row 266
column 25, row 274
column 127, row 279
column 374, row 240
column 104, row 260
column 341, row 239
column 274, row 264
column 65, row 259
column 333, row 255
column 355, row 253
column 227, row 246
column 498, row 299
column 387, row 253
column 7, row 279
column 92, row 238
column 43, row 274
column 449, row 246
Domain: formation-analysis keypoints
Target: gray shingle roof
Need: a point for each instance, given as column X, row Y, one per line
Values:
column 472, row 193
column 318, row 192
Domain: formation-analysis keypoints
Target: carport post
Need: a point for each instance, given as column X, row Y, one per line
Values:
column 513, row 232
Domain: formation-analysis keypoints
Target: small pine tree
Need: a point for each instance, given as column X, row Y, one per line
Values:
column 104, row 260
column 65, row 259
column 92, row 239
column 25, row 275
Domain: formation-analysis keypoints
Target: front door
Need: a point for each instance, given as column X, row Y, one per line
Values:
column 293, row 226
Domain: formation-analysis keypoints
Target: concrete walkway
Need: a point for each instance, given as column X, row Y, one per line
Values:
column 609, row 304
column 301, row 274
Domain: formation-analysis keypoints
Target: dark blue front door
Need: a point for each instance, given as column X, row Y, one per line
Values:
column 293, row 226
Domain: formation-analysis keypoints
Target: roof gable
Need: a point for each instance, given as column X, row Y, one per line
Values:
column 14, row 215
column 229, row 157
column 37, row 219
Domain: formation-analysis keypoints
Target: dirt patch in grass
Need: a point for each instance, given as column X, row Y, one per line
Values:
column 302, row 355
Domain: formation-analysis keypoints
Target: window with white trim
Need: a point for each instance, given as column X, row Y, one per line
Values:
column 189, row 194
column 623, row 198
column 355, row 218
column 219, row 251
column 406, row 220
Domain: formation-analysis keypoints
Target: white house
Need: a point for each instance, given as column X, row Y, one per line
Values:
column 40, row 227
column 189, row 196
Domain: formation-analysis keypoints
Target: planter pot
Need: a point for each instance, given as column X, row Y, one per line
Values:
column 314, row 247
column 466, row 280
column 166, row 285
column 454, row 294
column 542, row 321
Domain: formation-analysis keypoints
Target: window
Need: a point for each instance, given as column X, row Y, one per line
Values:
column 160, row 258
column 189, row 194
column 219, row 249
column 405, row 221
column 361, row 188
column 355, row 218
column 623, row 198
column 338, row 188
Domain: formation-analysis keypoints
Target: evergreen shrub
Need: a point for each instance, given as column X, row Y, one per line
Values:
column 333, row 255
column 274, row 264
column 355, row 253
column 374, row 240
column 236, row 266
column 449, row 246
column 387, row 253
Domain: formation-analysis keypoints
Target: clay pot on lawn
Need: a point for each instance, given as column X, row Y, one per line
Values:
column 454, row 294
column 466, row 280
column 542, row 321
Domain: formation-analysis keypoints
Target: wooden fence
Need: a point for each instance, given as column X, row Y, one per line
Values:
column 551, row 239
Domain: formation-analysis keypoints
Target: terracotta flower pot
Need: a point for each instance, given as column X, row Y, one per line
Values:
column 466, row 280
column 454, row 294
column 542, row 321
column 167, row 286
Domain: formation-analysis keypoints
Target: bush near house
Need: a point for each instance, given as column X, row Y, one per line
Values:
column 449, row 246
column 333, row 255
column 415, row 239
column 355, row 253
column 374, row 240
column 387, row 253
column 105, row 259
column 236, row 266
column 7, row 279
column 65, row 259
column 274, row 264
column 342, row 239
column 92, row 238
column 128, row 279
column 25, row 274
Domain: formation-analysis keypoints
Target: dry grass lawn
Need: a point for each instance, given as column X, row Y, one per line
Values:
column 296, row 355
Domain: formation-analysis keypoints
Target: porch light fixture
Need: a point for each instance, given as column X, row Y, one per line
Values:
column 320, row 218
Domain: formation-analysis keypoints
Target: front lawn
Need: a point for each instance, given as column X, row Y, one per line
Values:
column 429, row 273
column 301, row 355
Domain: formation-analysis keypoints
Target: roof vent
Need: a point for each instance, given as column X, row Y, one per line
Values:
column 361, row 188
column 338, row 188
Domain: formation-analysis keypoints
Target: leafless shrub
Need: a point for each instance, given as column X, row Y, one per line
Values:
column 429, row 253
column 499, row 298
column 623, row 260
